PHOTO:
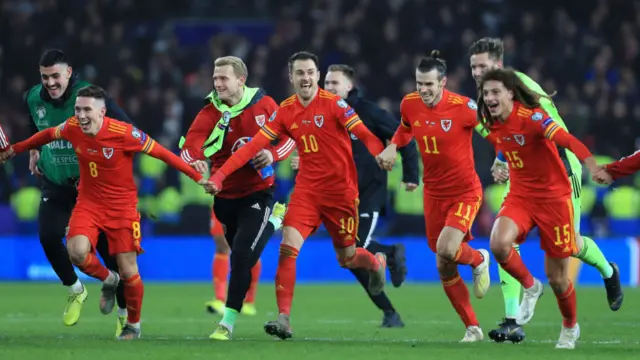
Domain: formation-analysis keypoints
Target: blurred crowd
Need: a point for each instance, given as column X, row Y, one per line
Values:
column 155, row 57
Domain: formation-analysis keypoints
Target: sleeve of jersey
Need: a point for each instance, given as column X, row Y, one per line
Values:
column 159, row 152
column 553, row 131
column 403, row 135
column 625, row 166
column 283, row 148
column 4, row 140
column 39, row 139
column 198, row 133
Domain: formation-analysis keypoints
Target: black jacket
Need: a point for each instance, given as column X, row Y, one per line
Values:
column 372, row 181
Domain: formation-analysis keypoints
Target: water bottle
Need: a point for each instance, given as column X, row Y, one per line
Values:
column 266, row 171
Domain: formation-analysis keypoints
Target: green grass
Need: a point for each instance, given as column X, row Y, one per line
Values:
column 329, row 322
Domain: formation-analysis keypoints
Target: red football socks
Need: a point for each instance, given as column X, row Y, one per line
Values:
column 94, row 268
column 220, row 274
column 255, row 278
column 567, row 302
column 516, row 268
column 467, row 255
column 133, row 293
column 458, row 295
column 286, row 278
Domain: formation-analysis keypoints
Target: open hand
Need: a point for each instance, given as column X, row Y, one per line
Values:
column 200, row 166
column 34, row 157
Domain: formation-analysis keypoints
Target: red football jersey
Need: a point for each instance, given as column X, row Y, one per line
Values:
column 321, row 132
column 241, row 128
column 525, row 139
column 444, row 133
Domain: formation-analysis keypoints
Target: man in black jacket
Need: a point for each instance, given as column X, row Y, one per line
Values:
column 372, row 182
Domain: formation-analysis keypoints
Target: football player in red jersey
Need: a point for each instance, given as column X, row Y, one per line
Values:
column 326, row 189
column 443, row 123
column 233, row 115
column 540, row 194
column 107, row 194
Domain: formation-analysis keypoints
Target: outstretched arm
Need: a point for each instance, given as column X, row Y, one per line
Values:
column 160, row 152
column 39, row 139
column 625, row 166
column 240, row 158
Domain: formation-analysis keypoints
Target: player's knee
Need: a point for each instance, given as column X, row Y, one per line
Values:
column 292, row 237
column 558, row 281
column 500, row 245
column 446, row 250
column 78, row 248
column 128, row 264
column 446, row 268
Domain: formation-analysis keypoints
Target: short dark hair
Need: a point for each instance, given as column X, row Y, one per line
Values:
column 52, row 57
column 92, row 91
column 492, row 46
column 303, row 55
column 347, row 70
column 433, row 62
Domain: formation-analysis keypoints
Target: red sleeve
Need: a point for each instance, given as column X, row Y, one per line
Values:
column 625, row 166
column 41, row 138
column 4, row 140
column 403, row 135
column 198, row 133
column 160, row 152
column 469, row 113
column 241, row 157
column 285, row 145
column 554, row 132
column 351, row 121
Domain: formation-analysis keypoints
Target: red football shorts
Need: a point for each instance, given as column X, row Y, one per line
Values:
column 554, row 220
column 216, row 228
column 122, row 227
column 339, row 214
column 459, row 213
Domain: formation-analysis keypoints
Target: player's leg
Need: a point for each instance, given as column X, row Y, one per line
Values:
column 108, row 297
column 458, row 294
column 219, row 266
column 513, row 223
column 340, row 217
column 396, row 259
column 124, row 235
column 301, row 219
column 511, row 290
column 53, row 219
column 557, row 239
column 253, row 232
column 588, row 250
column 452, row 241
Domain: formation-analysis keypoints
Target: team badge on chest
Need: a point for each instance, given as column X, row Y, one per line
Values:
column 260, row 120
column 446, row 124
column 107, row 152
column 519, row 139
column 318, row 120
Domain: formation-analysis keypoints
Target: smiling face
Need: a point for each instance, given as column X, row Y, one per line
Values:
column 481, row 63
column 226, row 82
column 90, row 113
column 304, row 77
column 498, row 98
column 336, row 82
column 55, row 79
column 429, row 86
